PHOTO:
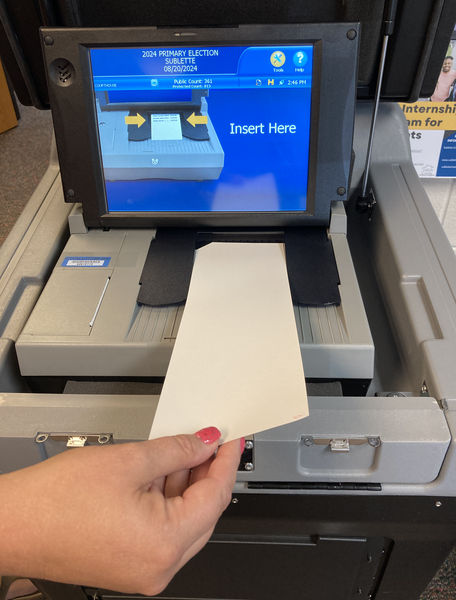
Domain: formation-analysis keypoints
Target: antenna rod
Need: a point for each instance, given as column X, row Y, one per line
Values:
column 388, row 26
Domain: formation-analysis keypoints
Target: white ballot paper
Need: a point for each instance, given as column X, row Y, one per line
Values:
column 236, row 363
column 165, row 127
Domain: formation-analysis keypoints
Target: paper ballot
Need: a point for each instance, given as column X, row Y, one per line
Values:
column 165, row 127
column 236, row 363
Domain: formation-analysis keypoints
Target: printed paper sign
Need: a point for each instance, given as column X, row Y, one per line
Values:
column 432, row 130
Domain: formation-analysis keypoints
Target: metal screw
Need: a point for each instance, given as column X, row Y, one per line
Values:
column 48, row 40
column 248, row 466
column 308, row 440
column 341, row 191
column 424, row 389
column 41, row 438
column 103, row 439
column 351, row 34
column 438, row 503
column 248, row 444
column 234, row 500
column 70, row 193
column 374, row 442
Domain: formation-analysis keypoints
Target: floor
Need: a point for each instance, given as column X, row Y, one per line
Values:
column 24, row 156
column 24, row 153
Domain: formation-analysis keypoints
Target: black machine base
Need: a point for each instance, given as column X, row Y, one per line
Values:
column 289, row 546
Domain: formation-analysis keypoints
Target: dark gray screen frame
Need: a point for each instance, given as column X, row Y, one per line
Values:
column 332, row 117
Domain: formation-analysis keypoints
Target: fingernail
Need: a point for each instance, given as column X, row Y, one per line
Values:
column 242, row 444
column 208, row 435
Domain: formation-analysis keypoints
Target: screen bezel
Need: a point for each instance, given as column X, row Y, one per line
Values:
column 312, row 141
column 75, row 122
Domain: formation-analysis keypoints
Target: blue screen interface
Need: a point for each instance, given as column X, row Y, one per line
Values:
column 204, row 129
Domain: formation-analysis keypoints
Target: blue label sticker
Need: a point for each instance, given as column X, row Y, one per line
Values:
column 86, row 261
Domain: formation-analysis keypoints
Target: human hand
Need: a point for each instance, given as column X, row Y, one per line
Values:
column 125, row 517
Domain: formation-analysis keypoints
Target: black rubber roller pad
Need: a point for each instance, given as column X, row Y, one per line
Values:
column 166, row 274
column 311, row 266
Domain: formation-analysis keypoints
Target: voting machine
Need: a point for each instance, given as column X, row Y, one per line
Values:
column 90, row 320
column 170, row 138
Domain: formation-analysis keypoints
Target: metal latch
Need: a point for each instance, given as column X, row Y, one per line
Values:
column 73, row 440
column 76, row 441
column 341, row 444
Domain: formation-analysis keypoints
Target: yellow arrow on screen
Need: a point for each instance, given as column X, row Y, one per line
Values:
column 197, row 119
column 138, row 120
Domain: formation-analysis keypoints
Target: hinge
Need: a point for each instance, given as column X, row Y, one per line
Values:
column 366, row 204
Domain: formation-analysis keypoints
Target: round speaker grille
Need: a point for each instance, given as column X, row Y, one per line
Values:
column 62, row 72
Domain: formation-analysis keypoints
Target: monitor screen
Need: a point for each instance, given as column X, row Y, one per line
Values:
column 204, row 128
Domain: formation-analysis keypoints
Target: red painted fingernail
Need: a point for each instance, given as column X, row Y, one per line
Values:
column 242, row 444
column 208, row 435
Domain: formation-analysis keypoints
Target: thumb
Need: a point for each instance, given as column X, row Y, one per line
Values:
column 167, row 455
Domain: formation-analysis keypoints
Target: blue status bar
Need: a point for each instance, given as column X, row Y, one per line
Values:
column 168, row 83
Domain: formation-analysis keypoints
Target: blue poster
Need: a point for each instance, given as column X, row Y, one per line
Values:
column 447, row 158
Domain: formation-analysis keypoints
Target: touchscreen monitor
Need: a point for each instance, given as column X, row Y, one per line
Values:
column 230, row 127
column 204, row 129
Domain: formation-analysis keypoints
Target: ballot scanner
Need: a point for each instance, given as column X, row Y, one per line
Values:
column 88, row 321
column 358, row 499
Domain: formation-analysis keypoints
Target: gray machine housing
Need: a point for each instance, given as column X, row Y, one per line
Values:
column 88, row 323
